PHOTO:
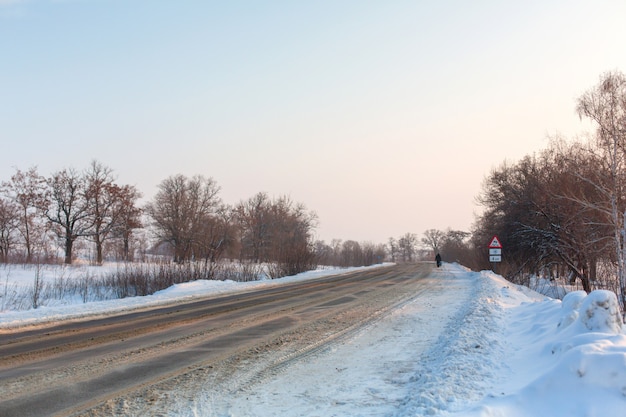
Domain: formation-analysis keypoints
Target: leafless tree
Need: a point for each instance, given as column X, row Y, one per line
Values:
column 292, row 227
column 407, row 245
column 351, row 253
column 103, row 199
column 605, row 105
column 66, row 209
column 216, row 236
column 129, row 218
column 25, row 190
column 455, row 247
column 277, row 231
column 432, row 239
column 253, row 217
column 180, row 208
column 539, row 208
column 393, row 249
column 9, row 222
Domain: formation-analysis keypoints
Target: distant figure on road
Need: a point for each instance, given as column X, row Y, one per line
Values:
column 438, row 260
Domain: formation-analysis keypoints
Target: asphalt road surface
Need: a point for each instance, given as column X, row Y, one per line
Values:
column 84, row 367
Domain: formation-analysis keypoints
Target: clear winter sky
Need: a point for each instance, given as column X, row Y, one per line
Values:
column 383, row 117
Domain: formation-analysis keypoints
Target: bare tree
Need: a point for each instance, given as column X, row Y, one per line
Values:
column 216, row 237
column 393, row 249
column 455, row 247
column 539, row 207
column 351, row 253
column 253, row 219
column 407, row 246
column 102, row 197
column 179, row 209
column 9, row 222
column 277, row 231
column 66, row 209
column 26, row 190
column 129, row 218
column 605, row 105
column 433, row 239
column 291, row 229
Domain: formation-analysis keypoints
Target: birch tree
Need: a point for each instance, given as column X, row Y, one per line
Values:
column 605, row 105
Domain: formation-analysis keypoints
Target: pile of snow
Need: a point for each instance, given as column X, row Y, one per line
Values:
column 544, row 357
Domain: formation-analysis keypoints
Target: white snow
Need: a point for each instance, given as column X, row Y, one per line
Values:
column 482, row 347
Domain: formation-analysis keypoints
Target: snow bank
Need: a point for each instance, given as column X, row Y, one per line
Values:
column 76, row 309
column 565, row 359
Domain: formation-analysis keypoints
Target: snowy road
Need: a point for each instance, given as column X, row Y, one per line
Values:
column 368, row 371
column 399, row 341
column 253, row 336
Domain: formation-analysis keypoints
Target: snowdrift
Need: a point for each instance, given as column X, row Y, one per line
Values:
column 562, row 358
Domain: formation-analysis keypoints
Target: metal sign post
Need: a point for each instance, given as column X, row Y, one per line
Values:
column 495, row 252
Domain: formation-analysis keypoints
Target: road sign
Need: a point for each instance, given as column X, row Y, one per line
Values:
column 495, row 250
column 495, row 243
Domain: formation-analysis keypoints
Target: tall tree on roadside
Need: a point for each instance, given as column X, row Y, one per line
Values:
column 9, row 222
column 216, row 236
column 393, row 248
column 253, row 219
column 537, row 208
column 129, row 217
column 277, row 231
column 456, row 247
column 433, row 239
column 25, row 190
column 407, row 246
column 605, row 105
column 66, row 209
column 102, row 197
column 291, row 231
column 179, row 209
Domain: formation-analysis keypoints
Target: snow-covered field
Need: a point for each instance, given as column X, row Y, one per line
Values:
column 482, row 347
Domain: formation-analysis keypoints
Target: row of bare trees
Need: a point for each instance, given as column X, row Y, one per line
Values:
column 350, row 253
column 186, row 218
column 65, row 207
column 562, row 210
column 452, row 245
column 188, row 215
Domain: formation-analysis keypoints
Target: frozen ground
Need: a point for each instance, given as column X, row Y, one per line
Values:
column 482, row 347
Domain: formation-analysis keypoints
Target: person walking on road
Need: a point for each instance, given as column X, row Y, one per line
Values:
column 438, row 260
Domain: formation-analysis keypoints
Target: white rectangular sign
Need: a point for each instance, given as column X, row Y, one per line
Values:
column 495, row 251
column 495, row 258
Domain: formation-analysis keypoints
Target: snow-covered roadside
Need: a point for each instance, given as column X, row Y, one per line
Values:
column 75, row 308
column 560, row 359
column 483, row 347
column 516, row 353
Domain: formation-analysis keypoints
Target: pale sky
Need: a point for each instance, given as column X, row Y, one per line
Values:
column 383, row 117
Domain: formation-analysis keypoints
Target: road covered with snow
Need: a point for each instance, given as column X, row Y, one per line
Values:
column 479, row 346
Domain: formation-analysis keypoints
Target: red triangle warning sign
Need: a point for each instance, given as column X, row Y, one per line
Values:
column 495, row 243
